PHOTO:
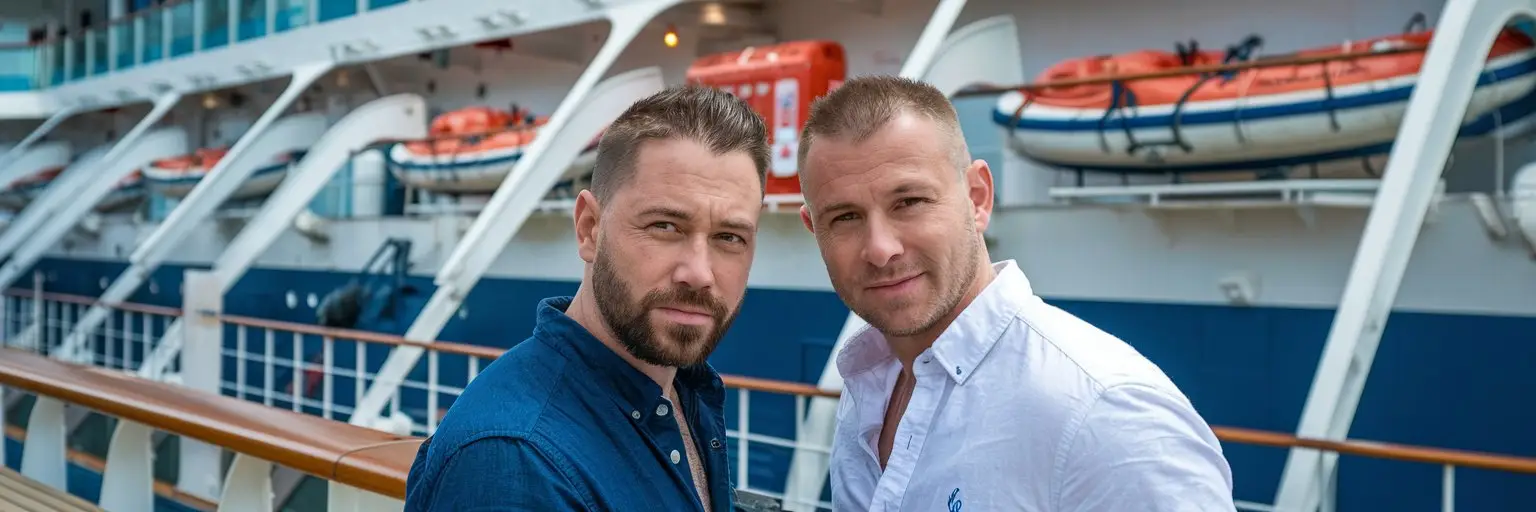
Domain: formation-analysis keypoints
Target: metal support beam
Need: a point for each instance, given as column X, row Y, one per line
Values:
column 35, row 214
column 7, row 171
column 202, row 369
column 581, row 115
column 243, row 159
column 398, row 117
column 62, row 211
column 1439, row 101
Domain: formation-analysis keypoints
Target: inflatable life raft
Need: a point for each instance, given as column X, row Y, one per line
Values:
column 1155, row 111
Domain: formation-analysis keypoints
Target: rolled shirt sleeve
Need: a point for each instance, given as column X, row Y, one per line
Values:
column 1145, row 449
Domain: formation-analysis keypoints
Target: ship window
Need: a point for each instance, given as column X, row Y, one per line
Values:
column 312, row 300
column 291, row 299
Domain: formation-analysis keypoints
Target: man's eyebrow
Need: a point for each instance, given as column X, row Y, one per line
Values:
column 666, row 211
column 904, row 188
column 738, row 224
column 676, row 214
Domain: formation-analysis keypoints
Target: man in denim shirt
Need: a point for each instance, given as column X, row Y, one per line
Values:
column 610, row 405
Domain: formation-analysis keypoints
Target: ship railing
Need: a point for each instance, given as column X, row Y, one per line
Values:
column 366, row 469
column 324, row 371
column 40, row 321
column 334, row 367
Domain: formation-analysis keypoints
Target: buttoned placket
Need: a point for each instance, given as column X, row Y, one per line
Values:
column 659, row 423
column 911, row 432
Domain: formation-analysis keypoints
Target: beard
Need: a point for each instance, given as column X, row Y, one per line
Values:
column 892, row 318
column 629, row 318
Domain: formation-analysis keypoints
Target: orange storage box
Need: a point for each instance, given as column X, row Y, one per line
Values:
column 780, row 82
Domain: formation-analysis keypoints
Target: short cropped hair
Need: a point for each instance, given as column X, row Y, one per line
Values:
column 716, row 119
column 863, row 105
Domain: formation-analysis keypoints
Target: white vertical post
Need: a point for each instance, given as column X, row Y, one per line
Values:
column 202, row 365
column 42, row 453
column 1436, row 108
column 248, row 486
column 128, row 482
column 583, row 112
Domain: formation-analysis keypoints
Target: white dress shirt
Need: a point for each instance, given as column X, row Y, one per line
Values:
column 1021, row 406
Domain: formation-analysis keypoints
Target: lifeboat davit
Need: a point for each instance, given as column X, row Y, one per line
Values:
column 128, row 193
column 472, row 150
column 1137, row 112
column 176, row 177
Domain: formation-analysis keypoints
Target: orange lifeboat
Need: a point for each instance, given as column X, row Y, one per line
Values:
column 470, row 150
column 1191, row 111
column 22, row 191
column 128, row 193
column 176, row 176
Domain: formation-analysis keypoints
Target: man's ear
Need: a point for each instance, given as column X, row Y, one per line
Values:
column 978, row 179
column 805, row 218
column 588, row 214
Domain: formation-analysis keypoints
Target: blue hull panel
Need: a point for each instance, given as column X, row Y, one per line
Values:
column 1442, row 380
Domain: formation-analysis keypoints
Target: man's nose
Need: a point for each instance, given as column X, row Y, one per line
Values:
column 883, row 243
column 694, row 269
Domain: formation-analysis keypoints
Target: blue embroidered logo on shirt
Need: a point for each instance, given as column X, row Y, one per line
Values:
column 954, row 500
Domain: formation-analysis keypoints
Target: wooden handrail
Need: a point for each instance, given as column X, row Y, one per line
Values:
column 1363, row 448
column 356, row 456
column 1263, row 62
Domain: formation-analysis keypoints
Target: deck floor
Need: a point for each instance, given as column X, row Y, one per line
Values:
column 23, row 494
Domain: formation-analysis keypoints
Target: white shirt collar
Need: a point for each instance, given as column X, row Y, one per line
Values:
column 962, row 345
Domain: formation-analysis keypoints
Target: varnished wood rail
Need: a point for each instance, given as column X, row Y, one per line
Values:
column 368, row 466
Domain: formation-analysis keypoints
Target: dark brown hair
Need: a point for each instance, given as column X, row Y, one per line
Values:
column 715, row 119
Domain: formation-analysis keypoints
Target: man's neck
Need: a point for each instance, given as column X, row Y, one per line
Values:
column 907, row 348
column 584, row 311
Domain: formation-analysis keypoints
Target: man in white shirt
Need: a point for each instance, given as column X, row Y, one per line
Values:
column 967, row 392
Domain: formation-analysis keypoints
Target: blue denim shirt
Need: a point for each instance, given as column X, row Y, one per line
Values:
column 561, row 422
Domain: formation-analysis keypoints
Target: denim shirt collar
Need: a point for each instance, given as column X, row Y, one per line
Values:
column 634, row 391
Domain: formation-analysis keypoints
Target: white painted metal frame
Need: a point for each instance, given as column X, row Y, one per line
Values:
column 202, row 369
column 1451, row 66
column 398, row 117
column 221, row 181
column 581, row 115
column 986, row 51
column 57, row 213
column 8, row 172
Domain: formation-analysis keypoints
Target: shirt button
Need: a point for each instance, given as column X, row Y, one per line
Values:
column 715, row 443
column 661, row 410
column 634, row 414
column 676, row 457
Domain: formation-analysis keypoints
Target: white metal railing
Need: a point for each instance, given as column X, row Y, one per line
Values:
column 366, row 470
column 321, row 371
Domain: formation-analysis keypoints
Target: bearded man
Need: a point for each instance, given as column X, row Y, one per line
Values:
column 610, row 404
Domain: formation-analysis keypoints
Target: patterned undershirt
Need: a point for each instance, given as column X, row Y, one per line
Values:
column 695, row 465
